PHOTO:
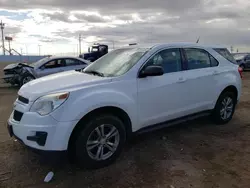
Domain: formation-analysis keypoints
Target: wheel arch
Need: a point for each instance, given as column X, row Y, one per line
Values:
column 120, row 113
column 231, row 88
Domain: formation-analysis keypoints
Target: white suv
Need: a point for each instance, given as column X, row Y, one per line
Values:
column 91, row 113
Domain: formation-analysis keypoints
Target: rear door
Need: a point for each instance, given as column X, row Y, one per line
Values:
column 73, row 64
column 201, row 73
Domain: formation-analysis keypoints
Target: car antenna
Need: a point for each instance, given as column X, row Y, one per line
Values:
column 198, row 40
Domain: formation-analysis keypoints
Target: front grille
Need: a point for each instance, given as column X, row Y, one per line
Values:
column 17, row 116
column 23, row 99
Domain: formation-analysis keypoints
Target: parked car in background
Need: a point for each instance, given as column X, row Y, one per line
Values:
column 21, row 73
column 93, row 112
column 95, row 52
column 243, row 60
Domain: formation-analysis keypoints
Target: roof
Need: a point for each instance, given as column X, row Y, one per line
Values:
column 180, row 44
column 64, row 57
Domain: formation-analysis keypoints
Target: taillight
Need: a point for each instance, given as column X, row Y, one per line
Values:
column 240, row 70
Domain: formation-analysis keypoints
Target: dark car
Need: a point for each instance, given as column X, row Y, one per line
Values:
column 243, row 60
column 95, row 52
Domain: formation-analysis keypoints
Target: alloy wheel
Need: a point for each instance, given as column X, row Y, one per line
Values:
column 227, row 108
column 27, row 79
column 103, row 142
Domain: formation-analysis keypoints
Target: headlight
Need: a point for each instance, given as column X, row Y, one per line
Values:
column 48, row 103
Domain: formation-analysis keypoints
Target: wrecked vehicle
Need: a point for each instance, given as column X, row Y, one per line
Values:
column 22, row 73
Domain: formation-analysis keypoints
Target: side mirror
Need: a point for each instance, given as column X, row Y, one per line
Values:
column 151, row 71
column 42, row 68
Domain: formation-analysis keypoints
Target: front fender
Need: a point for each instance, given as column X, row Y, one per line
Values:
column 77, row 107
column 28, row 70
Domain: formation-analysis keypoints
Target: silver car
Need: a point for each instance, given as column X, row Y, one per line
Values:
column 22, row 73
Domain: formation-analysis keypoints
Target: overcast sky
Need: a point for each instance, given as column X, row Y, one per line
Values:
column 56, row 24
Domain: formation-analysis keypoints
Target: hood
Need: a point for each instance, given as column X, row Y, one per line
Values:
column 15, row 65
column 90, row 54
column 11, row 66
column 59, row 82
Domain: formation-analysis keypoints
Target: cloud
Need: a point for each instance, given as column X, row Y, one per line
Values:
column 59, row 22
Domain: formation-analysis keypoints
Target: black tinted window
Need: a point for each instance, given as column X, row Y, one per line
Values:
column 71, row 62
column 169, row 59
column 247, row 57
column 226, row 54
column 197, row 58
column 54, row 64
column 213, row 61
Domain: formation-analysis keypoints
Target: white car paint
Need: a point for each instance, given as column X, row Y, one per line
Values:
column 147, row 100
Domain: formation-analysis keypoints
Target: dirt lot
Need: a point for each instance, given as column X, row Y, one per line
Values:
column 194, row 154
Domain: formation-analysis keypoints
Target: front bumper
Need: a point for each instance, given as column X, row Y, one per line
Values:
column 41, row 133
column 11, row 78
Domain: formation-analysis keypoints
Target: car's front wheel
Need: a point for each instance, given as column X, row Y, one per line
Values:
column 224, row 108
column 26, row 78
column 99, row 141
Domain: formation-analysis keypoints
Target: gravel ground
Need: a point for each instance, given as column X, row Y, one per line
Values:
column 194, row 154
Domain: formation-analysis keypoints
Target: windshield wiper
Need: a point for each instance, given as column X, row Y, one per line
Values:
column 94, row 72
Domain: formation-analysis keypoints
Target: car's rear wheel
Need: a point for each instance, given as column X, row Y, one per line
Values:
column 99, row 142
column 224, row 108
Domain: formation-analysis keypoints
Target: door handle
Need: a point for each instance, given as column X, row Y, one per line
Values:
column 181, row 80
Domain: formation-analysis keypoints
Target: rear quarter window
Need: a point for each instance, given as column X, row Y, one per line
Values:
column 226, row 54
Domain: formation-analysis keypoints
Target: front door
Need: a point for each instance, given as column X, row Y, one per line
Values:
column 51, row 67
column 161, row 98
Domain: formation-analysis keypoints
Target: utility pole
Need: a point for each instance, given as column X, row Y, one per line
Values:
column 9, row 47
column 39, row 49
column 80, row 41
column 26, row 47
column 232, row 49
column 2, row 27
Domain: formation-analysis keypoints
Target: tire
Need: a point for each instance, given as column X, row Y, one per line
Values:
column 219, row 115
column 25, row 79
column 86, row 157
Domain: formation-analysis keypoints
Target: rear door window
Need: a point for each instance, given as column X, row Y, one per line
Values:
column 213, row 61
column 72, row 62
column 197, row 58
column 226, row 54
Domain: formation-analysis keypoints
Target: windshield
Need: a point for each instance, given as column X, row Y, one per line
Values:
column 93, row 49
column 117, row 62
column 239, row 56
column 40, row 62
